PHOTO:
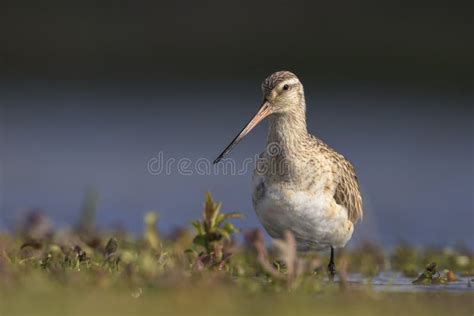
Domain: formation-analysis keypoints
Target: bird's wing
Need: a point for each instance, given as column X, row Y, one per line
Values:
column 347, row 191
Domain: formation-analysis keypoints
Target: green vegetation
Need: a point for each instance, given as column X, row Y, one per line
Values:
column 205, row 271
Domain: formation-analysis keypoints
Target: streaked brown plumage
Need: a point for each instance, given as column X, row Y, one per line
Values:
column 347, row 190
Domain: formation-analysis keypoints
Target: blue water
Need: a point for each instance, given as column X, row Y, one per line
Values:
column 395, row 282
column 412, row 149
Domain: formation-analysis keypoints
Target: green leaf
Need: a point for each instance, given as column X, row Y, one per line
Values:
column 220, row 218
column 215, row 214
column 200, row 240
column 224, row 233
column 229, row 228
column 209, row 208
column 198, row 226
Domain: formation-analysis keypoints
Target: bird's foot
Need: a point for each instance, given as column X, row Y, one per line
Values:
column 331, row 271
column 332, row 266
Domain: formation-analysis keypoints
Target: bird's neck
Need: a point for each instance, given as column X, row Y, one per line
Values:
column 288, row 130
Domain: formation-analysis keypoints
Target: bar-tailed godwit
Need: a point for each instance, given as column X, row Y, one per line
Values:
column 300, row 184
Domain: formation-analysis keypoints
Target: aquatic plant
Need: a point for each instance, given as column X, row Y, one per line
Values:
column 214, row 232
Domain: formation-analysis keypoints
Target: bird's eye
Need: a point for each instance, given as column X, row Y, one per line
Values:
column 286, row 87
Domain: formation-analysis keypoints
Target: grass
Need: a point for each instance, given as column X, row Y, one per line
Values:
column 202, row 270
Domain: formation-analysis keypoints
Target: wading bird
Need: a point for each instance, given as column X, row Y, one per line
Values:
column 300, row 184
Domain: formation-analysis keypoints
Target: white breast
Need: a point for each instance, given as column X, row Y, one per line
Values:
column 314, row 218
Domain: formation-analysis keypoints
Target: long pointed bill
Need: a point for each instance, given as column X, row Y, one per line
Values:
column 264, row 111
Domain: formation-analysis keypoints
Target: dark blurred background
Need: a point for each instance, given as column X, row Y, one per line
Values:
column 90, row 92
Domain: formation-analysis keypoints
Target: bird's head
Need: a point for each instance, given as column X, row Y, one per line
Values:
column 282, row 93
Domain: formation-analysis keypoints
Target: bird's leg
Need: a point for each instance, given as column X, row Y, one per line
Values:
column 331, row 265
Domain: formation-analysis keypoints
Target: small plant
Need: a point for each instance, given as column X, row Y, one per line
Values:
column 213, row 232
column 150, row 235
column 110, row 253
column 431, row 275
